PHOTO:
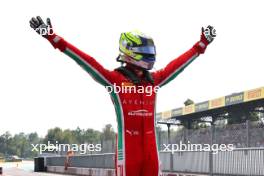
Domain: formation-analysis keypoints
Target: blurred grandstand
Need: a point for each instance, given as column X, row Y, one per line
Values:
column 236, row 119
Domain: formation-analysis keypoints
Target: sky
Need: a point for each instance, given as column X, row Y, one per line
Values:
column 41, row 88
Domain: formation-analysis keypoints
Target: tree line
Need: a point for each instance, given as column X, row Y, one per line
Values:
column 21, row 144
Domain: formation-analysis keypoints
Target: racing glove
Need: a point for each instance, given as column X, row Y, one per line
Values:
column 207, row 36
column 45, row 30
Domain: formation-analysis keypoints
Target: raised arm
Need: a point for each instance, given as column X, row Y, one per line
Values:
column 88, row 63
column 176, row 66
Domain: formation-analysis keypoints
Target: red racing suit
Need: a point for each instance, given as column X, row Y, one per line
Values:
column 137, row 153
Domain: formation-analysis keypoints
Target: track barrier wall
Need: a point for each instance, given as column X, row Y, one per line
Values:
column 244, row 161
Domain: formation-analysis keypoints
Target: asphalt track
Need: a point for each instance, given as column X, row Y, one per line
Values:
column 24, row 168
column 21, row 172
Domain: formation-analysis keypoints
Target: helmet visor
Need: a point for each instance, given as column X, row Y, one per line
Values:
column 144, row 49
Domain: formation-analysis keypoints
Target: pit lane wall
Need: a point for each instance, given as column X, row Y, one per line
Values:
column 81, row 171
column 239, row 162
column 97, row 172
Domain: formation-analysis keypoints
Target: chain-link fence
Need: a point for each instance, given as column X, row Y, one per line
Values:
column 243, row 135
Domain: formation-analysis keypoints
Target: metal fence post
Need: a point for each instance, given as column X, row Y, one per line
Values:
column 211, row 164
column 248, row 134
column 169, row 141
column 185, row 135
column 159, row 140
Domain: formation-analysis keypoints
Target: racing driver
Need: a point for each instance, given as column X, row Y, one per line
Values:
column 137, row 153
